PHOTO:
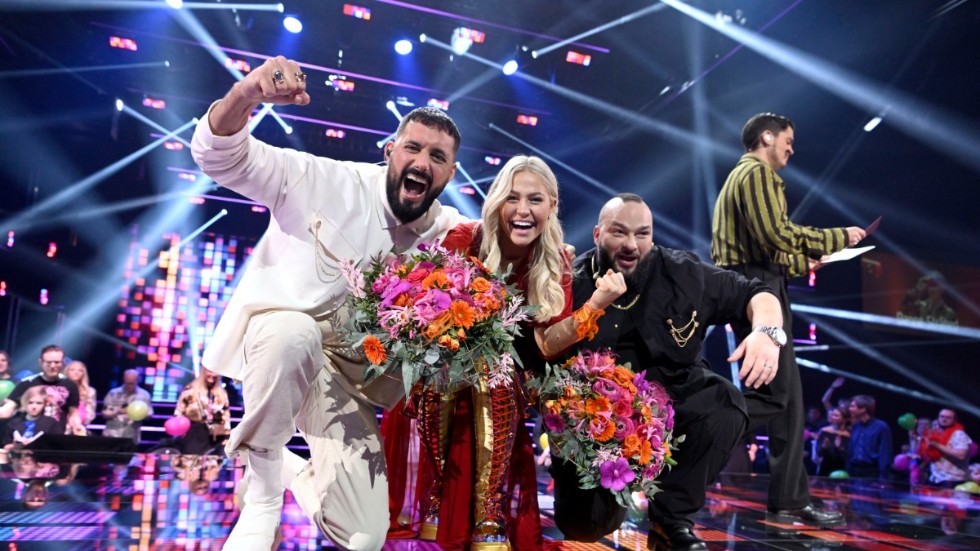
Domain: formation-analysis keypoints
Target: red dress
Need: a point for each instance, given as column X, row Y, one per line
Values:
column 456, row 513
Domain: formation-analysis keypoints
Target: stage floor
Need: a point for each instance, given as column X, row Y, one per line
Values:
column 187, row 502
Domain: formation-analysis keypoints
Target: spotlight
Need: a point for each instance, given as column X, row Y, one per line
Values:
column 422, row 38
column 510, row 67
column 403, row 47
column 175, row 4
column 460, row 40
column 119, row 105
column 288, row 129
column 166, row 63
column 292, row 24
column 280, row 8
column 872, row 124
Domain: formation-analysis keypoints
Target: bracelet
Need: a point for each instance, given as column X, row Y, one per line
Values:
column 586, row 317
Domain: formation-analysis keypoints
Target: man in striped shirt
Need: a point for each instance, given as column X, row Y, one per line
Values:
column 752, row 234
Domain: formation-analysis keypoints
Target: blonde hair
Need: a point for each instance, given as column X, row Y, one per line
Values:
column 83, row 386
column 548, row 263
column 34, row 392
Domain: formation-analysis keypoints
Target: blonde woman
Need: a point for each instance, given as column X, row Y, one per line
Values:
column 520, row 216
column 78, row 373
column 205, row 404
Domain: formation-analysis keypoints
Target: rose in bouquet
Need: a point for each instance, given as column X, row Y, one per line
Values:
column 436, row 316
column 613, row 424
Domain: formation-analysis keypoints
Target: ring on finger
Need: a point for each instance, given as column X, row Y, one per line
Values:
column 300, row 76
column 278, row 77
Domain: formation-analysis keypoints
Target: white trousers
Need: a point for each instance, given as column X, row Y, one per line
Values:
column 299, row 374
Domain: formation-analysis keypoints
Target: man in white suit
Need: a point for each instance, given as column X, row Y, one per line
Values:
column 281, row 333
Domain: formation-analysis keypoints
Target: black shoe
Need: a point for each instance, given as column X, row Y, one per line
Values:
column 677, row 538
column 808, row 514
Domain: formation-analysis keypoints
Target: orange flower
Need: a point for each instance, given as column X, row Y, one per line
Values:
column 646, row 452
column 374, row 350
column 436, row 279
column 460, row 334
column 631, row 445
column 480, row 285
column 463, row 314
column 595, row 406
column 491, row 304
column 624, row 378
column 607, row 432
column 438, row 326
column 446, row 341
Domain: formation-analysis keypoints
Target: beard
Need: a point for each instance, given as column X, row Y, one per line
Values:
column 403, row 211
column 636, row 279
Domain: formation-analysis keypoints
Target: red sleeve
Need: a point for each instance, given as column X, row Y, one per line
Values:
column 460, row 238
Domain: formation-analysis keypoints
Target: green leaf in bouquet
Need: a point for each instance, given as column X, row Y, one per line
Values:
column 410, row 375
column 432, row 356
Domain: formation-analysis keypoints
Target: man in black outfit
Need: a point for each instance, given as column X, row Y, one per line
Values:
column 658, row 326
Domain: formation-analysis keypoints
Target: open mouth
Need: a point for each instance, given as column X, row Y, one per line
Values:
column 522, row 226
column 627, row 261
column 415, row 185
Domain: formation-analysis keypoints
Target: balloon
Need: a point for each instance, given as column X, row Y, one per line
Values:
column 907, row 421
column 839, row 474
column 137, row 410
column 543, row 441
column 6, row 387
column 177, row 426
column 971, row 487
column 901, row 462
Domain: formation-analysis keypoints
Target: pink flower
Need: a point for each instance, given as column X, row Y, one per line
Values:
column 610, row 390
column 354, row 277
column 431, row 305
column 554, row 423
column 615, row 475
column 393, row 291
column 623, row 409
column 624, row 427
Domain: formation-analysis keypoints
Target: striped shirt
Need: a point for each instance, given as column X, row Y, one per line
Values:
column 751, row 226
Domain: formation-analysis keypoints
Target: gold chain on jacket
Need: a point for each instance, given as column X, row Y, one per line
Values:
column 678, row 333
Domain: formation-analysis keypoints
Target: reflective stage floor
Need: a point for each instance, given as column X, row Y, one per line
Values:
column 187, row 502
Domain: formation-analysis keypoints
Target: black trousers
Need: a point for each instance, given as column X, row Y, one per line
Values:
column 779, row 405
column 712, row 425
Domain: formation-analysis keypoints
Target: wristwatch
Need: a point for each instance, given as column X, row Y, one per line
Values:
column 777, row 334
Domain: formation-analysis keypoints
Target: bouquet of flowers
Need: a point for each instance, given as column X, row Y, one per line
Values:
column 614, row 425
column 437, row 316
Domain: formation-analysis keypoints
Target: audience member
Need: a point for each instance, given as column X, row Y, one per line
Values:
column 78, row 374
column 62, row 404
column 205, row 403
column 5, row 373
column 30, row 422
column 114, row 408
column 869, row 453
column 830, row 453
column 946, row 448
column 842, row 403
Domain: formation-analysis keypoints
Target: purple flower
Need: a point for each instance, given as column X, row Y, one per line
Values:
column 554, row 423
column 615, row 475
column 394, row 290
column 430, row 306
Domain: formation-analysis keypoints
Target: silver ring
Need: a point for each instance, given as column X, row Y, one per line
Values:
column 300, row 76
column 278, row 77
column 767, row 367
